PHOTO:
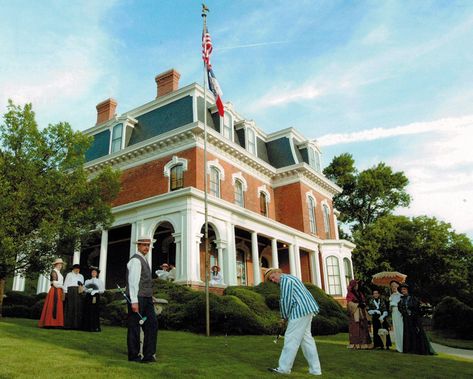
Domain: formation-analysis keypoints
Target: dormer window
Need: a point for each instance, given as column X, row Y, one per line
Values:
column 314, row 159
column 117, row 137
column 251, row 139
column 227, row 126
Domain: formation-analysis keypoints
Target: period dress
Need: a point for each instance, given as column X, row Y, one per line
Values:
column 398, row 325
column 74, row 301
column 415, row 340
column 91, row 318
column 52, row 315
column 358, row 329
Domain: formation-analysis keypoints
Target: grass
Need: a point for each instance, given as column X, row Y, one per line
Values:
column 447, row 340
column 27, row 351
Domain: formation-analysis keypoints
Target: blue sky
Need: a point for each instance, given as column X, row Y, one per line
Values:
column 385, row 81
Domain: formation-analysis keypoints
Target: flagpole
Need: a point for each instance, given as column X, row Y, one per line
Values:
column 206, row 213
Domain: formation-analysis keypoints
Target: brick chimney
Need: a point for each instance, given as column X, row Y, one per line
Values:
column 167, row 82
column 106, row 110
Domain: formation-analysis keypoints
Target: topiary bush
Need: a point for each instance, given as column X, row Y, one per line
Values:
column 453, row 316
column 19, row 298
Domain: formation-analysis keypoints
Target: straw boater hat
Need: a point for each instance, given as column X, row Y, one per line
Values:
column 144, row 239
column 269, row 271
column 57, row 261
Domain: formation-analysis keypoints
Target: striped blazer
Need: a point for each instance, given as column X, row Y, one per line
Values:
column 296, row 300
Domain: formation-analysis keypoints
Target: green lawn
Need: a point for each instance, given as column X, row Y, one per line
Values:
column 27, row 351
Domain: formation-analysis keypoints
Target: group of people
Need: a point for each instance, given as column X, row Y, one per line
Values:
column 406, row 316
column 72, row 303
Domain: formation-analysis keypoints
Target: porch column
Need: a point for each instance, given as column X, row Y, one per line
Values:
column 43, row 284
column 255, row 259
column 195, row 259
column 230, row 270
column 297, row 261
column 133, row 237
column 274, row 253
column 314, row 268
column 76, row 257
column 220, row 246
column 103, row 256
column 179, row 258
column 18, row 283
column 292, row 260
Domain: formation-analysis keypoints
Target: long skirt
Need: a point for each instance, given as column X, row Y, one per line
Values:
column 359, row 333
column 383, row 342
column 415, row 339
column 91, row 318
column 52, row 315
column 73, row 309
column 398, row 328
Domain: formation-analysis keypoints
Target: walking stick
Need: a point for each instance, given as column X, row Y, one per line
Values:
column 142, row 319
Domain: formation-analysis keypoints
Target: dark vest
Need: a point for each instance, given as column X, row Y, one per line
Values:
column 146, row 282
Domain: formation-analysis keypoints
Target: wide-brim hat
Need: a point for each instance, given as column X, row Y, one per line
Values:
column 269, row 271
column 57, row 261
column 403, row 285
column 76, row 266
column 212, row 268
column 144, row 240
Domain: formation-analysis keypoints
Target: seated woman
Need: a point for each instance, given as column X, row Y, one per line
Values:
column 215, row 276
column 52, row 315
column 163, row 273
column 359, row 334
column 414, row 340
column 94, row 287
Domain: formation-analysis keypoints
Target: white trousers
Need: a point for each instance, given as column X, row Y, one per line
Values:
column 298, row 333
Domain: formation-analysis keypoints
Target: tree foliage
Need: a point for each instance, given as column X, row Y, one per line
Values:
column 47, row 201
column 437, row 261
column 367, row 195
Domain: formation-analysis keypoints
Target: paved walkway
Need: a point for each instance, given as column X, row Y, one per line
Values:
column 462, row 353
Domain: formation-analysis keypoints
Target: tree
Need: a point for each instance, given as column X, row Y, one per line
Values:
column 436, row 260
column 367, row 195
column 47, row 201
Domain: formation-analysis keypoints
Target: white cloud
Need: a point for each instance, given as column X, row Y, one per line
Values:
column 279, row 96
column 446, row 124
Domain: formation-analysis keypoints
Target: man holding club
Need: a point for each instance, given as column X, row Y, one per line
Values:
column 298, row 307
column 139, row 288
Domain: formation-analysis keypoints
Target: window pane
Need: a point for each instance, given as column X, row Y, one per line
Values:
column 348, row 271
column 177, row 177
column 327, row 221
column 214, row 182
column 263, row 206
column 239, row 199
column 333, row 276
column 312, row 224
column 251, row 141
column 227, row 126
column 117, row 138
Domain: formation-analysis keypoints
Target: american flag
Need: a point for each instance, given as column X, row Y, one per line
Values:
column 206, row 47
column 213, row 83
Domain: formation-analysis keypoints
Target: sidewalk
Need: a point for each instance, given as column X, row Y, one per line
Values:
column 462, row 353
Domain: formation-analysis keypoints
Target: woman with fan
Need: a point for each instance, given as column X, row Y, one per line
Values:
column 93, row 288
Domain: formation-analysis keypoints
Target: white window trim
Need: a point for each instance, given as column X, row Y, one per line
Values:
column 255, row 140
column 239, row 176
column 308, row 195
column 266, row 192
column 121, row 138
column 174, row 162
column 325, row 202
column 218, row 166
column 222, row 122
column 339, row 275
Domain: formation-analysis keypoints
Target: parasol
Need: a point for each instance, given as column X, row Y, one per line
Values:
column 385, row 277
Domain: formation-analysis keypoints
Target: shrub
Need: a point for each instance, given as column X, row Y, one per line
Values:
column 114, row 313
column 36, row 310
column 19, row 298
column 454, row 316
column 322, row 326
column 16, row 311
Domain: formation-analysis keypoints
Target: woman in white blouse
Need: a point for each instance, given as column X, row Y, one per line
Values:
column 93, row 287
column 52, row 315
column 398, row 326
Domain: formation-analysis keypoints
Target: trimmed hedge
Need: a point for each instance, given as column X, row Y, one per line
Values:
column 19, row 304
column 454, row 316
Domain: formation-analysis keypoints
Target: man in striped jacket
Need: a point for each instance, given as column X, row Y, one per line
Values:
column 298, row 307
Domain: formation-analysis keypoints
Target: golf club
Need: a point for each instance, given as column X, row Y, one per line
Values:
column 142, row 319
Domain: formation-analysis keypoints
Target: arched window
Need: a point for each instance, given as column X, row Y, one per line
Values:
column 117, row 138
column 333, row 276
column 263, row 204
column 348, row 270
column 177, row 177
column 214, row 181
column 239, row 196
column 327, row 221
column 312, row 223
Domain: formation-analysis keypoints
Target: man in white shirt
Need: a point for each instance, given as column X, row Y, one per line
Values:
column 139, row 289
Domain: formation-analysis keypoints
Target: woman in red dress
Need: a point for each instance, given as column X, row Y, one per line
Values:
column 52, row 315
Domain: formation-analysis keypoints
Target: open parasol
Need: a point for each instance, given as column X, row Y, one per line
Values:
column 385, row 277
